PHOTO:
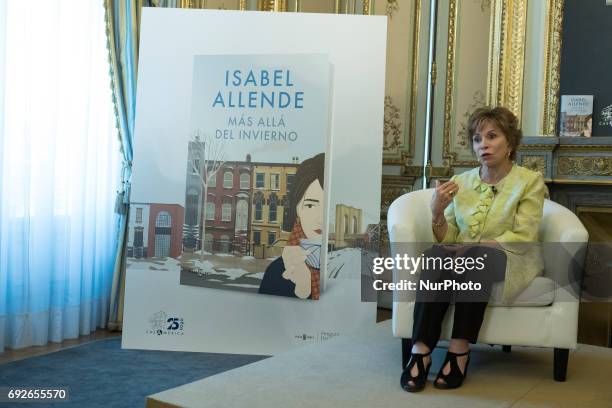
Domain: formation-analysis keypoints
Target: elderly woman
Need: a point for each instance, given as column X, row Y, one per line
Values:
column 492, row 211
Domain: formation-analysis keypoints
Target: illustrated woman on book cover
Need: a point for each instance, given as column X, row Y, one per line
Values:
column 296, row 273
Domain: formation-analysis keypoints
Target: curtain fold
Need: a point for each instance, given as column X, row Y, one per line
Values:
column 122, row 30
column 59, row 166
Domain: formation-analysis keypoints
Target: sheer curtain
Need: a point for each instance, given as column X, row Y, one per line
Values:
column 59, row 165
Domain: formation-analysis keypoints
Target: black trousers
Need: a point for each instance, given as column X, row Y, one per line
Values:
column 431, row 305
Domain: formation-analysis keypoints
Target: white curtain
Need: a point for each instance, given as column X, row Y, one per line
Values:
column 59, row 162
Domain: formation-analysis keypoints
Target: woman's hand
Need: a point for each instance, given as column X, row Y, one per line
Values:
column 442, row 197
column 294, row 258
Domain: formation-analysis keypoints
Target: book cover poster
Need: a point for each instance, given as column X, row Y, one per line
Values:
column 253, row 218
column 576, row 117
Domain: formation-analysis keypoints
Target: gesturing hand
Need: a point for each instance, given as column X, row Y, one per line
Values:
column 442, row 197
column 294, row 258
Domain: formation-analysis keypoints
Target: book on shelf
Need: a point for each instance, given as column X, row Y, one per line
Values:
column 576, row 117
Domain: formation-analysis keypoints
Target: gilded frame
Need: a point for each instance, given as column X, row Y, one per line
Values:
column 506, row 64
column 552, row 69
column 404, row 154
column 507, row 55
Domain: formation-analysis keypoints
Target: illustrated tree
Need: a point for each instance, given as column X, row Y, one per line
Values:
column 206, row 159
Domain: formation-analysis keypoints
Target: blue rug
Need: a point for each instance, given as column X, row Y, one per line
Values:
column 101, row 374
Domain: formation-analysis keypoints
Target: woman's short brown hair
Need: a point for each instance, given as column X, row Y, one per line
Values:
column 503, row 119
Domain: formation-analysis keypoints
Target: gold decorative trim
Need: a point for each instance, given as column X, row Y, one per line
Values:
column 368, row 7
column 195, row 4
column 524, row 147
column 416, row 43
column 589, row 182
column 412, row 171
column 588, row 148
column 407, row 154
column 535, row 163
column 584, row 166
column 392, row 188
column 392, row 126
column 450, row 157
column 272, row 5
column 392, row 7
column 507, row 59
column 554, row 26
column 242, row 5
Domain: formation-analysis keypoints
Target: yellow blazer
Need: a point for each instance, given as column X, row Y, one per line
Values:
column 508, row 212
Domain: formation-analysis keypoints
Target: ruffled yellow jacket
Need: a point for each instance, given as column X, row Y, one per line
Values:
column 508, row 212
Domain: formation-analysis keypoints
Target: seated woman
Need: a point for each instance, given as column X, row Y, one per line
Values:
column 297, row 272
column 495, row 208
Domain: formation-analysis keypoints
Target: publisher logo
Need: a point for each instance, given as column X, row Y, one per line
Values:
column 161, row 324
column 304, row 337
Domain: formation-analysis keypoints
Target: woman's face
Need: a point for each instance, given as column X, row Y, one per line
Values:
column 491, row 145
column 310, row 211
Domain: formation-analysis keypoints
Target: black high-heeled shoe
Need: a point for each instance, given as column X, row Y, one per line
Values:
column 421, row 378
column 454, row 378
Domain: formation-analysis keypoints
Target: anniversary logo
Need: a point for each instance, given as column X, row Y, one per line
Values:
column 162, row 324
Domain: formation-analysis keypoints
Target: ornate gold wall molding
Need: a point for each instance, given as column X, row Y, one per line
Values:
column 198, row 4
column 552, row 68
column 507, row 54
column 272, row 5
column 584, row 166
column 402, row 153
column 535, row 163
column 392, row 7
column 448, row 153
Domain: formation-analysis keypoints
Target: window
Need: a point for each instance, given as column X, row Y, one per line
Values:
column 210, row 211
column 191, row 207
column 208, row 242
column 228, row 179
column 245, row 181
column 275, row 181
column 258, row 211
column 242, row 215
column 139, row 215
column 226, row 212
column 259, row 180
column 213, row 181
column 272, row 212
column 138, row 236
column 271, row 237
column 290, row 181
column 272, row 208
column 163, row 222
column 195, row 169
column 163, row 219
column 224, row 244
column 257, row 237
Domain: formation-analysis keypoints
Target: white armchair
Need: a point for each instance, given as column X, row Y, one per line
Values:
column 544, row 315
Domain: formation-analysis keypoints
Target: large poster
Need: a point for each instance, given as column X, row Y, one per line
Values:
column 256, row 172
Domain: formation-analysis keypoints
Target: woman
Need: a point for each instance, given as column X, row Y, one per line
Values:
column 297, row 272
column 497, row 206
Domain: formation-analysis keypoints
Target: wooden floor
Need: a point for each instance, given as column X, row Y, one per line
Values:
column 13, row 355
